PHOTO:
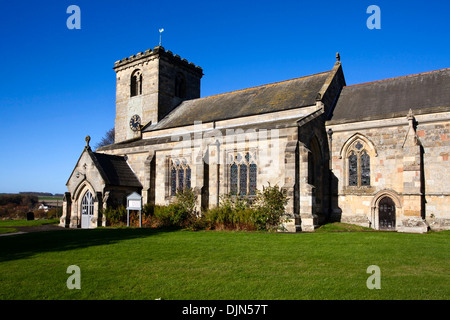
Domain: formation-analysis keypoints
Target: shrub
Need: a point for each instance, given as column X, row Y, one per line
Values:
column 54, row 213
column 148, row 209
column 165, row 215
column 265, row 212
column 270, row 207
column 233, row 212
column 181, row 213
column 115, row 216
column 186, row 200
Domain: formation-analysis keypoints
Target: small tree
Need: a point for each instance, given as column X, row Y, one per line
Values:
column 107, row 139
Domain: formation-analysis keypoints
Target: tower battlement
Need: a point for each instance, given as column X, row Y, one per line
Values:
column 157, row 51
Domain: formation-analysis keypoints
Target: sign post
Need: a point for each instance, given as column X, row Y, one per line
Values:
column 134, row 202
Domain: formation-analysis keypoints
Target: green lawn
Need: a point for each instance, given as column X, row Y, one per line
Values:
column 8, row 230
column 7, row 226
column 27, row 223
column 149, row 264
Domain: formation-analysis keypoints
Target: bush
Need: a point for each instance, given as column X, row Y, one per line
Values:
column 54, row 213
column 181, row 213
column 270, row 207
column 234, row 212
column 115, row 216
column 186, row 200
column 264, row 212
column 16, row 206
column 165, row 215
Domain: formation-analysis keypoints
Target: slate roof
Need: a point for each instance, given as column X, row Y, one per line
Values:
column 290, row 94
column 115, row 170
column 394, row 97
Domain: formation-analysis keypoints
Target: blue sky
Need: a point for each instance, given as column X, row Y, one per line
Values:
column 57, row 85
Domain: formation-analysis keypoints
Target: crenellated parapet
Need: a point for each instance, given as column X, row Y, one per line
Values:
column 157, row 52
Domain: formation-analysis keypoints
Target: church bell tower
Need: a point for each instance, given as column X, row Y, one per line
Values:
column 149, row 85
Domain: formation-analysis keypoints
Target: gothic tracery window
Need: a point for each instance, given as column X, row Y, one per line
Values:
column 136, row 83
column 358, row 165
column 180, row 176
column 243, row 174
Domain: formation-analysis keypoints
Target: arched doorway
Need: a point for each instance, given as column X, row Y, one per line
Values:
column 386, row 214
column 87, row 210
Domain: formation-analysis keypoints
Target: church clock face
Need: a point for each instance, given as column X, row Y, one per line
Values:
column 135, row 122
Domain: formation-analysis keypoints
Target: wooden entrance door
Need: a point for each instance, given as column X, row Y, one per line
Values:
column 386, row 213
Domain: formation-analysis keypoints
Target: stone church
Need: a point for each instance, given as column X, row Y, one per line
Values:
column 374, row 154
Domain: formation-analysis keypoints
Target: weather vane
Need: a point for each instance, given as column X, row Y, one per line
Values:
column 160, row 32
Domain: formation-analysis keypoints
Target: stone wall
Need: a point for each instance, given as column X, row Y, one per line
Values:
column 408, row 162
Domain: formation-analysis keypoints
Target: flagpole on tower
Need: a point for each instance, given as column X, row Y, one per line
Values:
column 160, row 32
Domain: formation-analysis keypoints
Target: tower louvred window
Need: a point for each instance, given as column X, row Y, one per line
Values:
column 136, row 83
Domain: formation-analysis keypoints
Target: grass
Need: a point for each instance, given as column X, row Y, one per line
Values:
column 50, row 198
column 8, row 230
column 7, row 226
column 342, row 227
column 27, row 223
column 121, row 263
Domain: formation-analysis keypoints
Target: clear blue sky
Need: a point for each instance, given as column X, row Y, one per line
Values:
column 57, row 85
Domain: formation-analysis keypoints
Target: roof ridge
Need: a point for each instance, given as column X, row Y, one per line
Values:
column 399, row 77
column 260, row 86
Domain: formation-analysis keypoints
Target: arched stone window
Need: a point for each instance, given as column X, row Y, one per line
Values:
column 243, row 173
column 180, row 86
column 180, row 176
column 358, row 164
column 136, row 83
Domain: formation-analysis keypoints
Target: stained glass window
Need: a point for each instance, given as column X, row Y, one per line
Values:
column 365, row 169
column 352, row 170
column 234, row 179
column 358, row 145
column 188, row 177
column 173, row 181
column 252, row 178
column 243, row 174
column 243, row 179
column 359, row 165
column 180, row 178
